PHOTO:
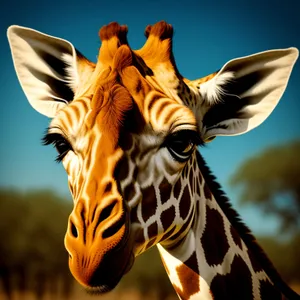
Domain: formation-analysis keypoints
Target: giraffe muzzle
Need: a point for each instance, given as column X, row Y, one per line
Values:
column 99, row 248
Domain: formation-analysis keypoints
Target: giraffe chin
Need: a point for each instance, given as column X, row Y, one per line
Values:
column 112, row 282
column 108, row 283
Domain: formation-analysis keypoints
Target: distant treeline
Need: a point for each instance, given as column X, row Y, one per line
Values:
column 32, row 253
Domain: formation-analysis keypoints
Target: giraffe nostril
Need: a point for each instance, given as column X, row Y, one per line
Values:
column 105, row 213
column 108, row 187
column 74, row 230
column 110, row 231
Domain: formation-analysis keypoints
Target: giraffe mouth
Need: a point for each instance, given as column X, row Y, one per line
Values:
column 110, row 282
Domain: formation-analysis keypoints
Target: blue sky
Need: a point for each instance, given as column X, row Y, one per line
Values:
column 207, row 35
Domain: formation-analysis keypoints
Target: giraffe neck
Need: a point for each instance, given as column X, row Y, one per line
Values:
column 218, row 258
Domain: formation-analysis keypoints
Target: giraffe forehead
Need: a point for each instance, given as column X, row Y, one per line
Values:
column 102, row 109
column 71, row 119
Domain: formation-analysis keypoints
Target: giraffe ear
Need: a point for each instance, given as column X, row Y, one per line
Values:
column 46, row 67
column 245, row 92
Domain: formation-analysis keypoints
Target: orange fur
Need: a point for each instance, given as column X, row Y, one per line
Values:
column 158, row 47
column 112, row 36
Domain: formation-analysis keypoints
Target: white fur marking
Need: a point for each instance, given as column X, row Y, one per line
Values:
column 72, row 75
column 212, row 90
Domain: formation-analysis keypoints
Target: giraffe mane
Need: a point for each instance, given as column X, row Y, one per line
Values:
column 243, row 230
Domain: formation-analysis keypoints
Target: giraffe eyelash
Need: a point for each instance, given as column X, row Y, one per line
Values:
column 61, row 144
column 182, row 144
column 186, row 134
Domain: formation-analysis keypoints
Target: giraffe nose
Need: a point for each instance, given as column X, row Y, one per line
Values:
column 85, row 228
column 91, row 235
column 101, row 222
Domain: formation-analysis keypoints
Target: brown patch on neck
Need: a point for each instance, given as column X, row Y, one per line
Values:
column 189, row 280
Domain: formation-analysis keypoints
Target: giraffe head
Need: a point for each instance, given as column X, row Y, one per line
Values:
column 126, row 130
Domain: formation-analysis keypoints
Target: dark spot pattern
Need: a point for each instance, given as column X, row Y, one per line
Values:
column 185, row 203
column 148, row 207
column 192, row 181
column 191, row 175
column 122, row 169
column 165, row 190
column 177, row 188
column 192, row 263
column 236, row 238
column 207, row 192
column 236, row 285
column 214, row 237
column 129, row 192
column 255, row 265
column 152, row 230
column 167, row 217
column 269, row 291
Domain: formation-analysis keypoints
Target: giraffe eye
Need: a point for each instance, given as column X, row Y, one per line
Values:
column 181, row 144
column 59, row 142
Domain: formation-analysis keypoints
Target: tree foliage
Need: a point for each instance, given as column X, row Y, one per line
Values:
column 271, row 180
column 284, row 255
column 32, row 230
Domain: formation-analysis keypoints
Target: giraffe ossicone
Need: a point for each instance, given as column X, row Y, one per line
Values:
column 126, row 129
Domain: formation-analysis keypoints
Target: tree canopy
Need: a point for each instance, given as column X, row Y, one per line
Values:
column 271, row 180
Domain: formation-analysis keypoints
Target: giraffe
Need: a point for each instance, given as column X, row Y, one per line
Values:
column 127, row 130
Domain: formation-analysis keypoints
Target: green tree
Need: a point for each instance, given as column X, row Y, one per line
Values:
column 32, row 230
column 284, row 255
column 271, row 181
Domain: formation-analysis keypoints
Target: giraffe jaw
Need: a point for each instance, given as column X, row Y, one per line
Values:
column 107, row 287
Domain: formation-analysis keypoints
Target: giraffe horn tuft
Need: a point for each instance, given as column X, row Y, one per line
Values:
column 162, row 30
column 114, row 29
column 157, row 50
column 148, row 30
